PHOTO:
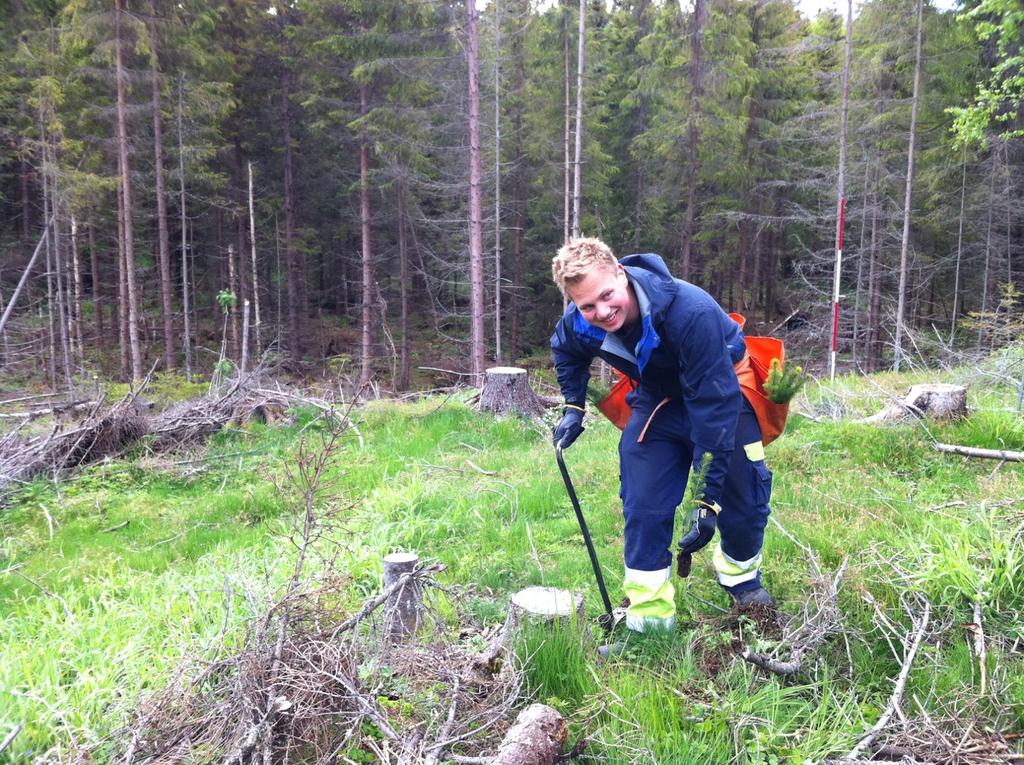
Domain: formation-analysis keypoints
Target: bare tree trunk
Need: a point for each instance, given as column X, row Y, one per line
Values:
column 187, row 333
column 122, row 289
column 240, row 232
column 985, row 288
column 367, row 251
column 841, row 191
column 874, row 338
column 97, row 295
column 59, row 273
column 25, row 170
column 403, row 265
column 78, row 348
column 860, row 258
column 566, row 176
column 518, row 203
column 51, row 330
column 578, row 153
column 959, row 249
column 905, row 244
column 126, row 193
column 296, row 310
column 476, row 246
column 497, row 181
column 1007, row 197
column 693, row 161
column 233, row 310
column 255, row 268
column 163, row 238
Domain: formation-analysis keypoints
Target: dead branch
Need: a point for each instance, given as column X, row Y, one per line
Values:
column 120, row 525
column 921, row 625
column 9, row 738
column 989, row 454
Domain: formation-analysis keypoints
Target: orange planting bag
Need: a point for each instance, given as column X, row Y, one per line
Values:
column 751, row 372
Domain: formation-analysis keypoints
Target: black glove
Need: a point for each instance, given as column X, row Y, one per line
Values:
column 703, row 522
column 569, row 428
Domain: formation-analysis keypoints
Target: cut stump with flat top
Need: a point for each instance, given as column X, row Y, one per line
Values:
column 537, row 738
column 404, row 607
column 507, row 391
column 939, row 401
column 546, row 604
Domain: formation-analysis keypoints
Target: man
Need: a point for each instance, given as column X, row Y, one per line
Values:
column 688, row 417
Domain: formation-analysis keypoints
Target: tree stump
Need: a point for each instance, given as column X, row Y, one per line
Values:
column 546, row 604
column 507, row 391
column 404, row 607
column 534, row 604
column 537, row 738
column 940, row 401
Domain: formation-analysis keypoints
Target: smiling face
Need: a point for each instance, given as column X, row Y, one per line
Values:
column 605, row 298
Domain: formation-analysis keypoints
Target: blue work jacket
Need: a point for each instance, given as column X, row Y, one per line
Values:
column 686, row 352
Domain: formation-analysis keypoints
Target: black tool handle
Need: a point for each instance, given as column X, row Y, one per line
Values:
column 586, row 533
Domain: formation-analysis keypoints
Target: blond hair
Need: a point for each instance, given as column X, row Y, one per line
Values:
column 578, row 258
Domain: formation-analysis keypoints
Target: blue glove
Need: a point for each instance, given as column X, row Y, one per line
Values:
column 569, row 428
column 703, row 522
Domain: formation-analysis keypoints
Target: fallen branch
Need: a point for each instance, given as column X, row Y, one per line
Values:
column 120, row 525
column 897, row 692
column 973, row 451
column 9, row 738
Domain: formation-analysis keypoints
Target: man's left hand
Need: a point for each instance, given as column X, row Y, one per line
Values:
column 703, row 522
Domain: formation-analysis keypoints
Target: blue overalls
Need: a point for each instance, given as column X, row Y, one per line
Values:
column 687, row 404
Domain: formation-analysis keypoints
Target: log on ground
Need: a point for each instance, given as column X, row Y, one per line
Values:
column 939, row 401
column 537, row 738
column 507, row 391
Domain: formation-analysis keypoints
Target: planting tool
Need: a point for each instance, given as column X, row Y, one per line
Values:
column 609, row 618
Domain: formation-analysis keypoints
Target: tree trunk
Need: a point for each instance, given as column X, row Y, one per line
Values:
column 236, row 347
column 255, row 268
column 163, row 238
column 905, row 243
column 131, row 283
column 296, row 309
column 122, row 288
column 959, row 250
column 841, row 191
column 25, row 170
column 518, row 203
column 578, row 152
column 50, row 287
column 78, row 347
column 693, row 160
column 985, row 287
column 367, row 251
column 497, row 181
column 97, row 295
column 240, row 234
column 537, row 738
column 506, row 390
column 874, row 338
column 403, row 266
column 476, row 271
column 566, row 174
column 187, row 332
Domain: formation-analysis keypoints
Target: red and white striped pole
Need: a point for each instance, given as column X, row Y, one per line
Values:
column 835, row 288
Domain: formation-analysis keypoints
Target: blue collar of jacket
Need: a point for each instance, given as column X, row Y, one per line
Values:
column 611, row 343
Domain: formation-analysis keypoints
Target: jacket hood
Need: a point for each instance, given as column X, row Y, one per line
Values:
column 658, row 285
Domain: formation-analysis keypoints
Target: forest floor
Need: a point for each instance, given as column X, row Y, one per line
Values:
column 110, row 578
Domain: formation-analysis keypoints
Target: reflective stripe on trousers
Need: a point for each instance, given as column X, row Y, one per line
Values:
column 652, row 599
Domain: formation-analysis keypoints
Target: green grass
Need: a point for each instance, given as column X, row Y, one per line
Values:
column 205, row 545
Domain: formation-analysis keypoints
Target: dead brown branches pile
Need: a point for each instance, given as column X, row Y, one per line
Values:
column 803, row 637
column 315, row 681
column 110, row 431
